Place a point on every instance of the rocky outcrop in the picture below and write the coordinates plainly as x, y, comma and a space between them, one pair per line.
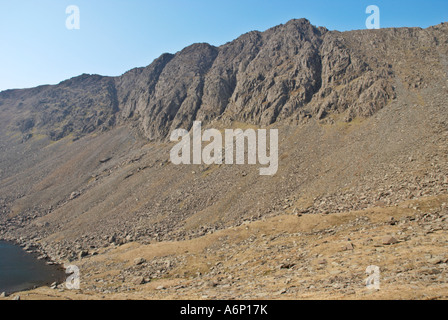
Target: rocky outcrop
77, 106
260, 78
292, 71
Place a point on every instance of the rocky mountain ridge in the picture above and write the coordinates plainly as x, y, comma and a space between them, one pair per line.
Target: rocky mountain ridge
292, 70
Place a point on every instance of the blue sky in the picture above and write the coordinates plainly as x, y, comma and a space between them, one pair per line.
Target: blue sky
117, 35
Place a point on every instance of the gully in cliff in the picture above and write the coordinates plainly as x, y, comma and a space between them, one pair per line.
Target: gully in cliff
213, 152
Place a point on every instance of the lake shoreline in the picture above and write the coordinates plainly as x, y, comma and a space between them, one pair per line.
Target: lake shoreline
43, 267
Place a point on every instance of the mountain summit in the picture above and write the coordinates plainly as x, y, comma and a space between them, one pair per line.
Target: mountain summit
292, 70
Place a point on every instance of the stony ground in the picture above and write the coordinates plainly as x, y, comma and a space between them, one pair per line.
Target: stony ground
282, 257
352, 155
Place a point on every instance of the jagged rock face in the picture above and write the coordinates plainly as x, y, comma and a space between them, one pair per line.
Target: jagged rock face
255, 79
177, 95
281, 75
259, 78
79, 106
290, 71
349, 83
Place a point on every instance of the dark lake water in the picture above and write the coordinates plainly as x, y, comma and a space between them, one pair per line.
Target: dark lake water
20, 270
